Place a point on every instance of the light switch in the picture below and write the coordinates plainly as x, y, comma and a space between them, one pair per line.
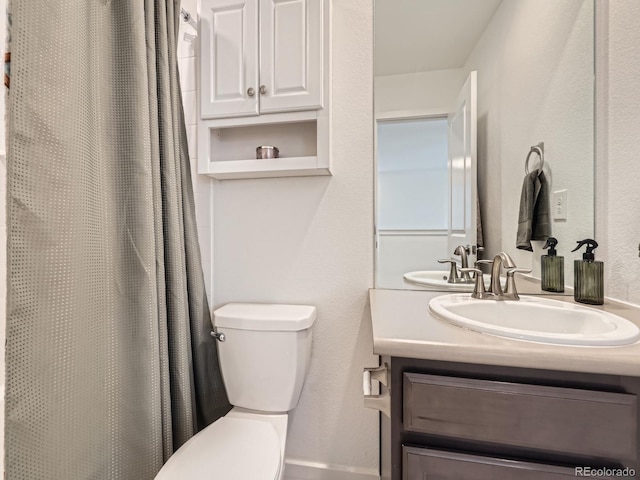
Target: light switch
559, 205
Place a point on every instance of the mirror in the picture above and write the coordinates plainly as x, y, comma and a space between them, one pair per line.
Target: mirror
451, 159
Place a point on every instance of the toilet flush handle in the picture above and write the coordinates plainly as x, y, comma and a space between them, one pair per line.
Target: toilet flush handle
218, 336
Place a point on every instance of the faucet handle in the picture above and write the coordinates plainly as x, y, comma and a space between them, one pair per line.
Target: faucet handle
512, 271
479, 290
510, 289
453, 271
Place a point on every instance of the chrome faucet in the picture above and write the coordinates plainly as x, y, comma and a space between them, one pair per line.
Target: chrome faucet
500, 260
495, 291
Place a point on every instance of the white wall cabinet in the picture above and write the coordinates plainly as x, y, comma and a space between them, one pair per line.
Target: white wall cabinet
229, 55
261, 56
264, 80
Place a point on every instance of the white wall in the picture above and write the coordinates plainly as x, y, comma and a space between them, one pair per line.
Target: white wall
618, 221
424, 92
530, 92
398, 254
310, 241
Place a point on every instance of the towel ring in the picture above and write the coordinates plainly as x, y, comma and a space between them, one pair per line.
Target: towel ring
539, 149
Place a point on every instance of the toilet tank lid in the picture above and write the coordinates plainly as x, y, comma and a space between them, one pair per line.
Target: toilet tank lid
265, 317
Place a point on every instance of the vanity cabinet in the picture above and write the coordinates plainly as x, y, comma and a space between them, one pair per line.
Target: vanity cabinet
264, 80
461, 421
260, 56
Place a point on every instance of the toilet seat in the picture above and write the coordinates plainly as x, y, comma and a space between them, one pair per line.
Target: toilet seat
231, 449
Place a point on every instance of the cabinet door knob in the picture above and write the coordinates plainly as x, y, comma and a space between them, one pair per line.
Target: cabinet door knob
263, 89
251, 91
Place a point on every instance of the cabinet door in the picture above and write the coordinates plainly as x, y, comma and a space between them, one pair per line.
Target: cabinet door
556, 419
229, 52
291, 54
426, 464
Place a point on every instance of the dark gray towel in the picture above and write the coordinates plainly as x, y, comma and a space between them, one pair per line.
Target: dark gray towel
534, 221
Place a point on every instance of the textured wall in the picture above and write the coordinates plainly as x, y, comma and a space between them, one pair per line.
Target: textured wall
618, 225
310, 241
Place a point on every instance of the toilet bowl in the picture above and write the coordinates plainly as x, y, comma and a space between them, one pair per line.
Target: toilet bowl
264, 360
232, 448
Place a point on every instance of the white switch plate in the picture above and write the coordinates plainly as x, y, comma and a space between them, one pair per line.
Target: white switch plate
559, 205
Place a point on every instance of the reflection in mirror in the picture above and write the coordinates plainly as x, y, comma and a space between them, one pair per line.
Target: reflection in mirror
412, 196
534, 61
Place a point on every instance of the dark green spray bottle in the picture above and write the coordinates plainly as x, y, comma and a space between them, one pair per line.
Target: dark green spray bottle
552, 268
588, 275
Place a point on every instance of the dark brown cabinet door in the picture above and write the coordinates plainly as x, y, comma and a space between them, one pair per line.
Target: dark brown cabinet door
427, 464
562, 420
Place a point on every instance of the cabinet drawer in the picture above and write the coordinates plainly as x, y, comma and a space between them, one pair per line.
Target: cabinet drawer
426, 464
562, 420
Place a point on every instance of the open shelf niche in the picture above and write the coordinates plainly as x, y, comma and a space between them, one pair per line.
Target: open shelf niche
227, 147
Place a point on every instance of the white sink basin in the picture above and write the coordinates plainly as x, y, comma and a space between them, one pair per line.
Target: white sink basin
437, 280
537, 320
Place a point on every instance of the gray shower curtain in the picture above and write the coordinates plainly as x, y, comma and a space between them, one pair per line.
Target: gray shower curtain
110, 366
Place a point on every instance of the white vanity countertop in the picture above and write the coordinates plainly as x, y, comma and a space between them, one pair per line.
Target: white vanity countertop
404, 327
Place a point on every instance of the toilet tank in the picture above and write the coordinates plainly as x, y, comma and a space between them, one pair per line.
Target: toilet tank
265, 356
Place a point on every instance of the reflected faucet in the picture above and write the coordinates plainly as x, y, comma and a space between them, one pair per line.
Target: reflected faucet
453, 270
464, 261
462, 251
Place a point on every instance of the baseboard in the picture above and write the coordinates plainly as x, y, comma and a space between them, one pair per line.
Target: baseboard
304, 470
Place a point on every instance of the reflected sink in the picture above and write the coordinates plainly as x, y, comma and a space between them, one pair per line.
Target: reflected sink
536, 319
437, 279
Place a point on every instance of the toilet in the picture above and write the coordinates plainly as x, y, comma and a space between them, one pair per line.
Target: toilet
264, 359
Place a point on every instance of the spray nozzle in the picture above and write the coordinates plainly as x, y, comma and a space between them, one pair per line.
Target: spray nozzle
551, 245
591, 246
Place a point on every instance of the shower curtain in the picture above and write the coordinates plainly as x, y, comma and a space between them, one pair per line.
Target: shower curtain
110, 365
